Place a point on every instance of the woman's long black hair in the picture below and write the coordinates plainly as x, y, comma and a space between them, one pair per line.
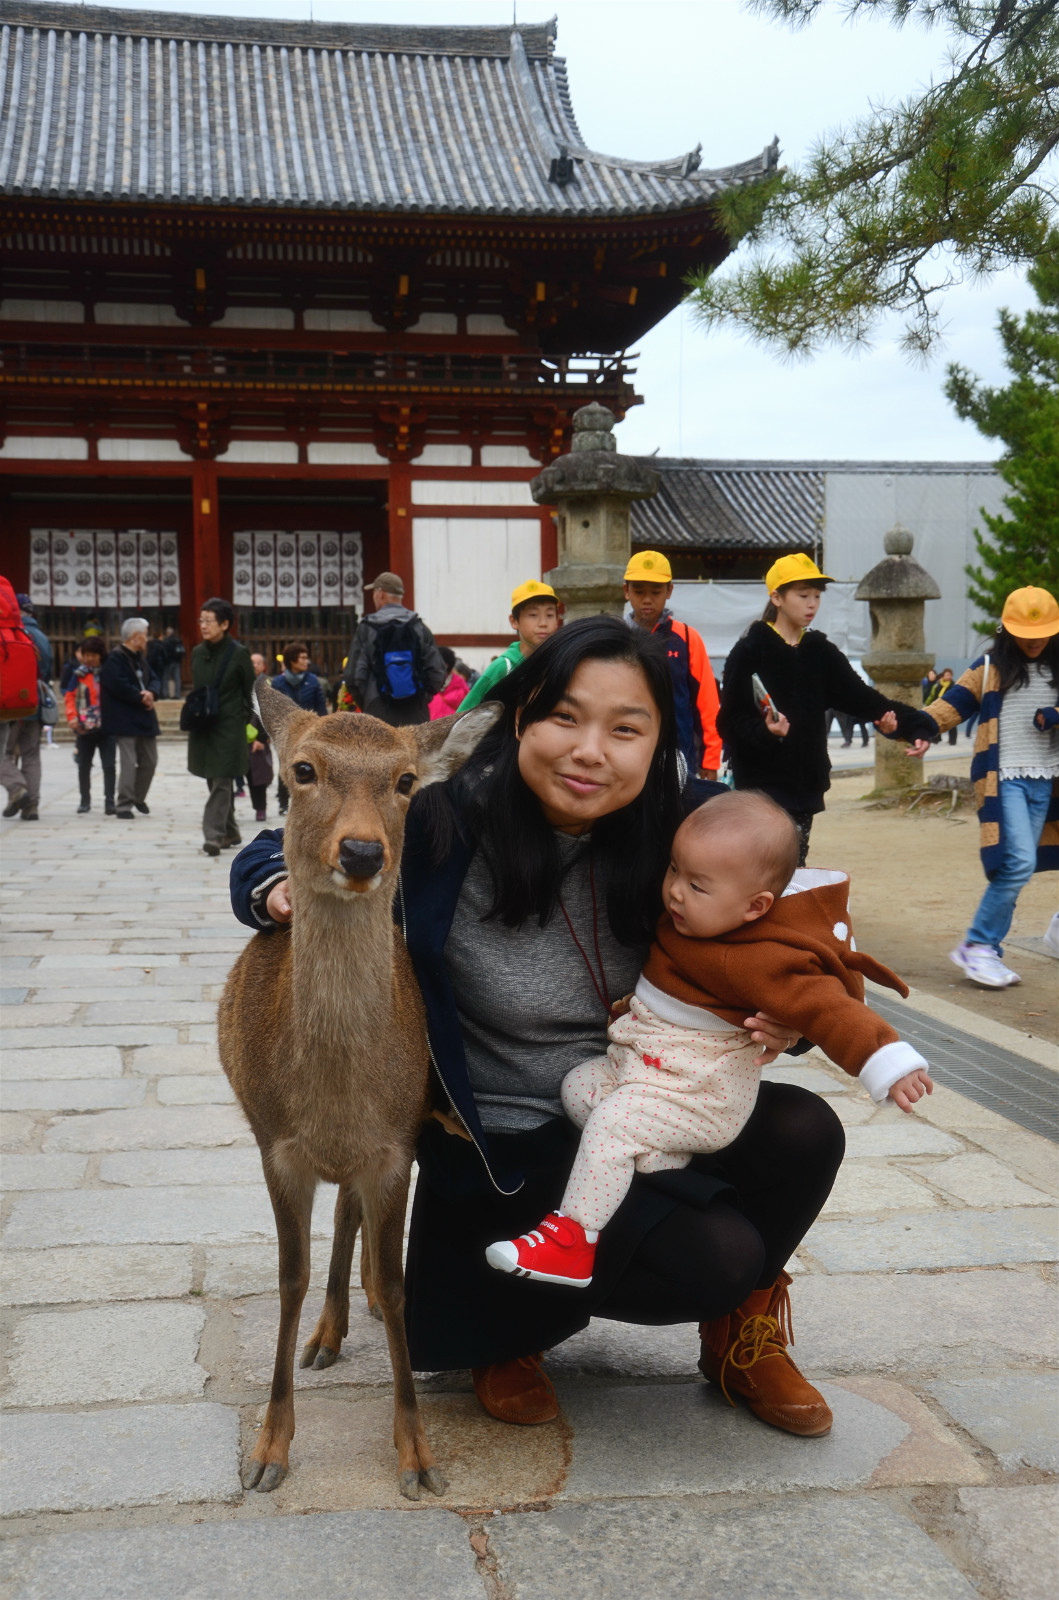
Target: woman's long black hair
630, 847
1013, 667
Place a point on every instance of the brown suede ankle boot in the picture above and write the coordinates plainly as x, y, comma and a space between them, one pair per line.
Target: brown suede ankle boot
516, 1391
746, 1353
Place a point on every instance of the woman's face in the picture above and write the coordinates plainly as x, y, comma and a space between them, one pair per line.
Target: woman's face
592, 754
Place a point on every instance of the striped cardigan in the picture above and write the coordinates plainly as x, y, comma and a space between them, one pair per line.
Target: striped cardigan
978, 691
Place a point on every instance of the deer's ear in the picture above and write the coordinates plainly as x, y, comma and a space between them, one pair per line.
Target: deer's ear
443, 746
280, 715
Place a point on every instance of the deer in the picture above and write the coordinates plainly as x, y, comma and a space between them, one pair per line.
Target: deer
322, 1034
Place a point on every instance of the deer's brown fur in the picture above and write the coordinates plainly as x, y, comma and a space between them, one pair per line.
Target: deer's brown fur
323, 1037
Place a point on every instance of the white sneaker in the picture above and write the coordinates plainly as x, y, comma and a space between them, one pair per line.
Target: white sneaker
1051, 934
982, 965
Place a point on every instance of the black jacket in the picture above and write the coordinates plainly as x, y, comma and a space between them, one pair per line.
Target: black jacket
805, 681
122, 680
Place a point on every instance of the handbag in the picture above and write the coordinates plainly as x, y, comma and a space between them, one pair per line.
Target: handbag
202, 707
261, 773
47, 705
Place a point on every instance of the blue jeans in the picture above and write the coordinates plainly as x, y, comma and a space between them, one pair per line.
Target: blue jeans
1023, 807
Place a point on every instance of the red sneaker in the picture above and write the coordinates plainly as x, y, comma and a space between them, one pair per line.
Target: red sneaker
559, 1251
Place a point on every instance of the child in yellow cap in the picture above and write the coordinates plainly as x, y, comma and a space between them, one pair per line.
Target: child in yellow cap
534, 617
1012, 688
780, 682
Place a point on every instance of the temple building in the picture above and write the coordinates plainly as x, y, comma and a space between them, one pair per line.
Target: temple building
282, 304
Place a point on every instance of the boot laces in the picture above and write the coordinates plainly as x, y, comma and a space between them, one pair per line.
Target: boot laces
760, 1337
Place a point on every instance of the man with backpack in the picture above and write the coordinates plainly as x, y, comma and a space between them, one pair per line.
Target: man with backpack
394, 668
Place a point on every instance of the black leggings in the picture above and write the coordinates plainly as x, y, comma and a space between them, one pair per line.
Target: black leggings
696, 1265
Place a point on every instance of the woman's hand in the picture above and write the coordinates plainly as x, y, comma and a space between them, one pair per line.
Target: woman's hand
918, 749
912, 1087
257, 745
887, 723
278, 903
774, 1036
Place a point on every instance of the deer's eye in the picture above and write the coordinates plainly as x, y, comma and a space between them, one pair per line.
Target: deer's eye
304, 772
406, 782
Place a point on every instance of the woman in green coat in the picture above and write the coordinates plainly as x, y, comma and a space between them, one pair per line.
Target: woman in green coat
220, 753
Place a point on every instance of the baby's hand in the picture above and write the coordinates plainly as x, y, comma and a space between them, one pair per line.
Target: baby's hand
620, 1007
907, 1090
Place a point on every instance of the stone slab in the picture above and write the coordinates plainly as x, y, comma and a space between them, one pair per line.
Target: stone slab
1012, 1413
1017, 1532
851, 1110
76, 1037
1027, 1154
233, 1271
155, 1060
207, 1089
154, 1168
393, 1556
126, 1456
863, 1188
363, 1360
18, 1018
89, 1061
162, 1009
885, 1137
66, 1094
829, 1548
343, 1458
42, 1172
813, 1078
931, 1452
151, 1128
104, 963
128, 1352
12, 997
943, 1239
625, 1350
981, 1180
121, 994
689, 1440
15, 1131
96, 1272
919, 1324
173, 1215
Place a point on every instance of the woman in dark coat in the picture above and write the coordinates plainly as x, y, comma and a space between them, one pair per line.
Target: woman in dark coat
530, 886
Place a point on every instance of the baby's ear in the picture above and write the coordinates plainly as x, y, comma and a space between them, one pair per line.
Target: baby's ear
759, 903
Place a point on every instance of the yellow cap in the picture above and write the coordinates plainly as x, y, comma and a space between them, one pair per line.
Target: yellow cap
649, 566
794, 569
532, 589
1030, 614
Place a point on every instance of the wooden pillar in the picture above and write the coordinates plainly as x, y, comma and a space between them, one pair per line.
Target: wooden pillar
402, 560
206, 534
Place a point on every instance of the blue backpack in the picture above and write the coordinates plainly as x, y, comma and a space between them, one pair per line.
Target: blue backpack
398, 667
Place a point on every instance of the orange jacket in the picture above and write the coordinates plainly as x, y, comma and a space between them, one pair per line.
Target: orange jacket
694, 694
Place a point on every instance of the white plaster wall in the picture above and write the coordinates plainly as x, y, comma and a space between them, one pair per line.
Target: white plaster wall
508, 455
481, 323
466, 568
283, 452
435, 322
344, 453
941, 510
256, 317
42, 311
473, 492
141, 450
444, 455
110, 313
27, 448
341, 322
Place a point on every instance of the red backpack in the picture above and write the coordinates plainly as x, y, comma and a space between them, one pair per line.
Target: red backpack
18, 661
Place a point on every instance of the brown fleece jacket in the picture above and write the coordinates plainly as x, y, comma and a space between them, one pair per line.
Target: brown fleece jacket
799, 961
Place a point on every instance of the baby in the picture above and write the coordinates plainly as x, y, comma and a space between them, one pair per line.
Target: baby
741, 928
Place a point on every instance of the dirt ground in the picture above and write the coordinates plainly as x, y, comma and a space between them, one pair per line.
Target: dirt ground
916, 881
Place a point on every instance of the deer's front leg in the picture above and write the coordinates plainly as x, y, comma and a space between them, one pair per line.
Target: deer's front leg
322, 1349
384, 1224
292, 1204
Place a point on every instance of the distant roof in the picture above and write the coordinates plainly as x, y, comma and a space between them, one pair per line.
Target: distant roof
100, 104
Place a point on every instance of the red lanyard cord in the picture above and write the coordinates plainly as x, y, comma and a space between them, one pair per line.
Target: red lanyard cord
600, 984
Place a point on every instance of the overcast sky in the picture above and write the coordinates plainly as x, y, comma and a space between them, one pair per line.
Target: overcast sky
653, 78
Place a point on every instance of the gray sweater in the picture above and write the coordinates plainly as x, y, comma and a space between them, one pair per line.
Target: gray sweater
526, 1003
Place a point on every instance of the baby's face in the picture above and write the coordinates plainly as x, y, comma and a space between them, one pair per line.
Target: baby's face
707, 893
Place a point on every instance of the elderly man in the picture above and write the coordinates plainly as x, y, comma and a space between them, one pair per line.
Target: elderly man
394, 668
128, 690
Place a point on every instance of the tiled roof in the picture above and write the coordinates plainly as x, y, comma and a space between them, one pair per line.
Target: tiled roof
716, 505
97, 104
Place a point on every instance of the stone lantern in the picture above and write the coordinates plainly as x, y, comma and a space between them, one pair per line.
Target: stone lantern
592, 489
895, 591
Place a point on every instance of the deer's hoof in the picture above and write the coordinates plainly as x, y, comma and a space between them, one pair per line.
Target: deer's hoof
326, 1357
409, 1484
434, 1479
272, 1477
375, 1310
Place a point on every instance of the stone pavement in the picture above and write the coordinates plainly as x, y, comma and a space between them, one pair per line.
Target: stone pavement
139, 1316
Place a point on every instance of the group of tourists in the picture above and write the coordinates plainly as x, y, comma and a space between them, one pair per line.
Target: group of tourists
607, 962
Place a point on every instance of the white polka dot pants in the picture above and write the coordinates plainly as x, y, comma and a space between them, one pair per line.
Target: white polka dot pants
660, 1095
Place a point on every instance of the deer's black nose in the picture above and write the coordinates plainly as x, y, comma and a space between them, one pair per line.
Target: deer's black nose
361, 858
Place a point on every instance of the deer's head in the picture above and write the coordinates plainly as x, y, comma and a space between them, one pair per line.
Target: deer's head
351, 779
